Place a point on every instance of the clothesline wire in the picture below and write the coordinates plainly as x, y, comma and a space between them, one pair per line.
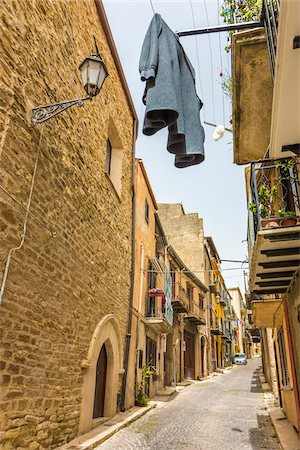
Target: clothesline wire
152, 6
211, 63
195, 271
221, 61
198, 62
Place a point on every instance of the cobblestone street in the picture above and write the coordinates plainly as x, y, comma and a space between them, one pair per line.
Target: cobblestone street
224, 412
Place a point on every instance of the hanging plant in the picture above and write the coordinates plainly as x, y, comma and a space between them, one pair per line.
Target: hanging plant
236, 11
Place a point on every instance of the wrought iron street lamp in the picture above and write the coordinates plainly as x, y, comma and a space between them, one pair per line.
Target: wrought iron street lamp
93, 73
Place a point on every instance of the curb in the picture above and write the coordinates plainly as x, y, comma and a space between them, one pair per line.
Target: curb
286, 434
93, 438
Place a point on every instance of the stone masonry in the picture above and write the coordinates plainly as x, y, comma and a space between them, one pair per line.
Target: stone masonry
74, 266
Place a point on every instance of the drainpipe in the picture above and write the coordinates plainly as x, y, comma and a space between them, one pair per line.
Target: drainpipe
129, 323
139, 321
293, 370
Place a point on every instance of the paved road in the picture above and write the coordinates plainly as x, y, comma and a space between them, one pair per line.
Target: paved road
223, 413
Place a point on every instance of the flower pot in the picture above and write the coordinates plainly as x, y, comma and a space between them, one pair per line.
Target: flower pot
270, 223
288, 222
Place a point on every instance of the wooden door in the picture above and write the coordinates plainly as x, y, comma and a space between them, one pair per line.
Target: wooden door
100, 384
189, 356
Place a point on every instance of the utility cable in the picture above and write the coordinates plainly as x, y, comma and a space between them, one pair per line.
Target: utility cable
198, 62
55, 235
211, 62
152, 7
221, 61
14, 249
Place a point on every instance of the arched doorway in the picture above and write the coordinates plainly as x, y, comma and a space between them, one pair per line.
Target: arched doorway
103, 368
101, 371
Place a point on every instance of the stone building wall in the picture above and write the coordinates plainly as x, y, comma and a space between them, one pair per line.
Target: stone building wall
74, 266
185, 232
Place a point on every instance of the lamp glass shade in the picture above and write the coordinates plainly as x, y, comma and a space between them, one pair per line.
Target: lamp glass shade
93, 74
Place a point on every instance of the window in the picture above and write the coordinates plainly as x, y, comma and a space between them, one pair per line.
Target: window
146, 211
201, 301
173, 276
151, 301
140, 359
189, 291
150, 352
108, 157
285, 379
114, 158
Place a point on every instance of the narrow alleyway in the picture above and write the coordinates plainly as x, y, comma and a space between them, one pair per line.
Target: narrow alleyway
225, 412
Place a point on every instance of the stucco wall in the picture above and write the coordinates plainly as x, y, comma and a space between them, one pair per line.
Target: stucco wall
74, 266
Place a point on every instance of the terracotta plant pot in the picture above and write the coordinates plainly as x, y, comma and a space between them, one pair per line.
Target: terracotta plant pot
269, 224
288, 222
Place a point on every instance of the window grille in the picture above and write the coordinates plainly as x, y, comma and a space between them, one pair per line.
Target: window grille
150, 352
283, 359
146, 211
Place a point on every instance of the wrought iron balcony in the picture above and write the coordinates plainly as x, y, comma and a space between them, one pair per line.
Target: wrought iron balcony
216, 328
180, 302
274, 225
269, 18
196, 315
275, 193
155, 315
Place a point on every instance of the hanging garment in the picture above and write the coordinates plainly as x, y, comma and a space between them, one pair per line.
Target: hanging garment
170, 94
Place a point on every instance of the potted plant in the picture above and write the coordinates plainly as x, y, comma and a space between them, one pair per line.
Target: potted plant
289, 218
266, 199
142, 399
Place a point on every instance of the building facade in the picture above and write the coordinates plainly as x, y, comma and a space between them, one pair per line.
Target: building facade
221, 326
238, 305
66, 227
186, 235
267, 60
152, 316
187, 350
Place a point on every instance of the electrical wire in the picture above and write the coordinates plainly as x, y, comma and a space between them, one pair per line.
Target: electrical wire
211, 63
194, 271
198, 62
55, 235
221, 61
14, 249
152, 7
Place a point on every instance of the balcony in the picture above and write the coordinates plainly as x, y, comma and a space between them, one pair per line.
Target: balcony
216, 328
155, 316
274, 230
281, 23
195, 316
227, 336
180, 302
252, 95
263, 309
266, 91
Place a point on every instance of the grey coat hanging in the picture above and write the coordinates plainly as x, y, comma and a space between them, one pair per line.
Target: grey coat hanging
170, 95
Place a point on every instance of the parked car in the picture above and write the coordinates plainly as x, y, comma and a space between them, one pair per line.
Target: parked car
240, 358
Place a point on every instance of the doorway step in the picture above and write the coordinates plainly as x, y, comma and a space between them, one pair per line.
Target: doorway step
97, 436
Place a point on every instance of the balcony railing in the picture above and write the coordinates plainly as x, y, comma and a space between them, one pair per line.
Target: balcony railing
156, 314
269, 18
154, 307
275, 193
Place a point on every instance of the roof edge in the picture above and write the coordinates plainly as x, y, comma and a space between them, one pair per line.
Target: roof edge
111, 43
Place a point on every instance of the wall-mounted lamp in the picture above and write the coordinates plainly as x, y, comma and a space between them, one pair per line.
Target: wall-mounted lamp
93, 74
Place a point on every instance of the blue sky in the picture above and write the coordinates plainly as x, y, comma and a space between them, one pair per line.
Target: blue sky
215, 189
